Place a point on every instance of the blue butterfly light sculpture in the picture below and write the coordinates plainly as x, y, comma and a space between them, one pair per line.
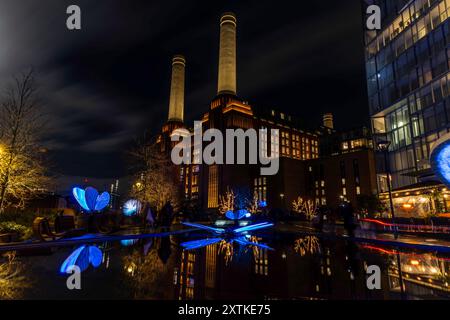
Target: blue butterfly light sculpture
82, 258
90, 200
237, 233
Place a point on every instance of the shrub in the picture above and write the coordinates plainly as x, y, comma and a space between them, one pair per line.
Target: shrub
12, 227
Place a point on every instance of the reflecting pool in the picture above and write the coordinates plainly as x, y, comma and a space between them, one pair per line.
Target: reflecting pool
268, 266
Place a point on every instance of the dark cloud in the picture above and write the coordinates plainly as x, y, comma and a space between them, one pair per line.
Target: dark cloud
106, 84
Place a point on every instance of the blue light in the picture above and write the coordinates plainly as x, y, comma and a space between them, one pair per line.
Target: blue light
80, 196
254, 227
197, 244
440, 159
443, 164
245, 242
90, 200
128, 243
131, 208
238, 215
263, 204
82, 258
200, 226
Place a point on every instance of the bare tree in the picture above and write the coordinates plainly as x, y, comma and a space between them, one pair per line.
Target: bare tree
227, 202
306, 207
154, 176
22, 174
253, 205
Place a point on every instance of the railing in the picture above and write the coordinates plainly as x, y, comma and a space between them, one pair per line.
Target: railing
413, 228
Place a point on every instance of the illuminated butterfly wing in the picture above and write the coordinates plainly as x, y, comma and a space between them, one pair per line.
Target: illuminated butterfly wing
80, 196
200, 226
72, 260
91, 197
197, 244
245, 242
102, 201
95, 256
254, 227
82, 258
237, 215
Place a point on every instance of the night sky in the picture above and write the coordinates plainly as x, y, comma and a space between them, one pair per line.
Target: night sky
107, 84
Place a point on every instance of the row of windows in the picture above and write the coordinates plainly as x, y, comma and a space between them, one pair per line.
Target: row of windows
261, 188
299, 147
421, 114
407, 29
414, 69
317, 174
213, 187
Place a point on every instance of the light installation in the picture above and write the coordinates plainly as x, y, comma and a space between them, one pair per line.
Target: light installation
82, 258
129, 242
131, 208
237, 233
90, 200
440, 159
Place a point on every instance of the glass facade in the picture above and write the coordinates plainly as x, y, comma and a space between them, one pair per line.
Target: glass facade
408, 80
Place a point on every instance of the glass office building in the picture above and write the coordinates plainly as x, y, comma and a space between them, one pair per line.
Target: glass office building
407, 68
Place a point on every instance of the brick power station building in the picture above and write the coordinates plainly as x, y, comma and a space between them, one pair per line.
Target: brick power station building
322, 165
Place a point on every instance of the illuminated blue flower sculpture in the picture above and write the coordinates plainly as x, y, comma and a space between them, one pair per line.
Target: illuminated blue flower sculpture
237, 233
131, 208
440, 159
242, 240
238, 215
90, 200
82, 258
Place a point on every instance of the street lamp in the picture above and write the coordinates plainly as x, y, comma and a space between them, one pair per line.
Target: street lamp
282, 200
383, 146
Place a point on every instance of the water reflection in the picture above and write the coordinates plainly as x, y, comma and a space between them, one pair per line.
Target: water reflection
13, 282
147, 272
423, 275
307, 245
82, 258
271, 266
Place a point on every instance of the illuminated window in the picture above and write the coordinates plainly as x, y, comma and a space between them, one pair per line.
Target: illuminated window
275, 145
262, 262
296, 147
213, 187
261, 188
285, 144
211, 264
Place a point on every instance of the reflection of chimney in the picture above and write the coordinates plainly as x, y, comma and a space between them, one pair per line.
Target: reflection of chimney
176, 104
227, 54
328, 121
